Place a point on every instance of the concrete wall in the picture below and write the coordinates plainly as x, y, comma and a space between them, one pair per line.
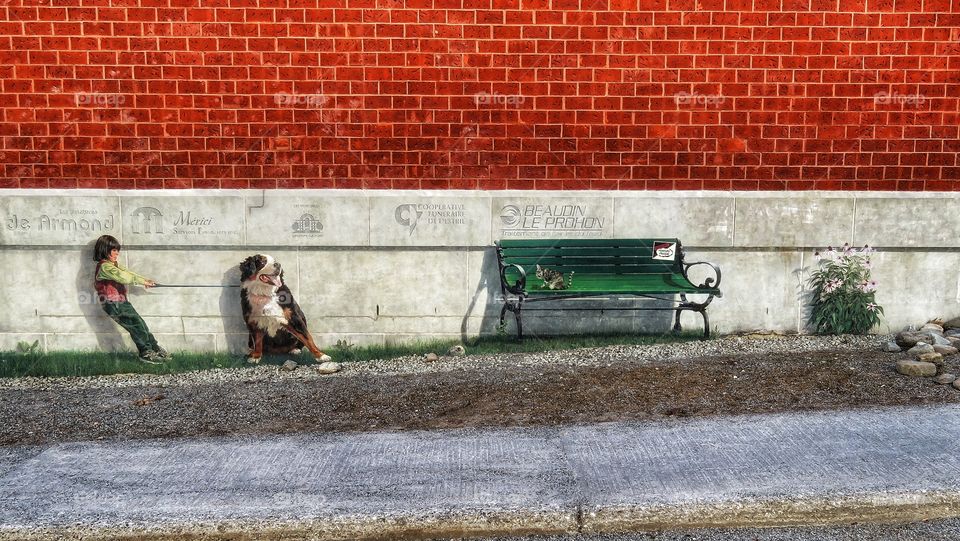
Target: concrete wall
375, 267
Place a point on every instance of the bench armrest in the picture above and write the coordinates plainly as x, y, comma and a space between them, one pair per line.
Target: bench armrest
520, 286
709, 282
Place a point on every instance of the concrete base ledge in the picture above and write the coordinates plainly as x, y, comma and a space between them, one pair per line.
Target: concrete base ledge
486, 523
786, 512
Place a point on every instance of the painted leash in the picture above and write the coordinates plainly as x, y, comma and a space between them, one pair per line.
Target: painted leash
196, 285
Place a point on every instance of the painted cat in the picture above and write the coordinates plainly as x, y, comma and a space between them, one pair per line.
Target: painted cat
553, 279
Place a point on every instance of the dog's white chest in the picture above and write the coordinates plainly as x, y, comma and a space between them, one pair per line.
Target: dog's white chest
266, 312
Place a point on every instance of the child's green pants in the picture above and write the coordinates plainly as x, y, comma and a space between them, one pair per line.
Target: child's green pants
126, 315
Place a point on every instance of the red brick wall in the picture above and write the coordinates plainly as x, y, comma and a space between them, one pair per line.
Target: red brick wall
485, 94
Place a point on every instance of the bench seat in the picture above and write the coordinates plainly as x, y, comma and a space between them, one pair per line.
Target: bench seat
626, 284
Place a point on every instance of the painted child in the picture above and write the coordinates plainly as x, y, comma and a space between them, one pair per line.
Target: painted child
111, 284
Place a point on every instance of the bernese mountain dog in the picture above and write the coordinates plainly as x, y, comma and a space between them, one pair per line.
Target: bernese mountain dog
274, 319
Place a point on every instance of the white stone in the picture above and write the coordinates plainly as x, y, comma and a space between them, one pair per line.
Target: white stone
374, 284
932, 328
939, 340
934, 358
914, 284
55, 219
756, 303
916, 368
183, 218
552, 216
328, 368
793, 220
308, 218
906, 221
445, 218
696, 221
952, 324
920, 349
945, 350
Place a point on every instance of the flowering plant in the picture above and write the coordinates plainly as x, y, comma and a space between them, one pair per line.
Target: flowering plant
843, 293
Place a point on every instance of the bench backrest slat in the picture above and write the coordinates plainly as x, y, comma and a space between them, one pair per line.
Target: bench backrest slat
633, 251
563, 243
591, 256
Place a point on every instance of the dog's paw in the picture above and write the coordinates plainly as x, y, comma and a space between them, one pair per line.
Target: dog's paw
295, 351
325, 358
253, 360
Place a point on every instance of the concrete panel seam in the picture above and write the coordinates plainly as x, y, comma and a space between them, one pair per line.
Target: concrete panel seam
800, 300
733, 238
853, 224
120, 216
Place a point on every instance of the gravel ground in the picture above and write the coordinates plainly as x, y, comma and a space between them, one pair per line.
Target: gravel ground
592, 357
728, 376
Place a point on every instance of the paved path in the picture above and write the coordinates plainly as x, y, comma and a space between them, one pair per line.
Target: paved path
900, 464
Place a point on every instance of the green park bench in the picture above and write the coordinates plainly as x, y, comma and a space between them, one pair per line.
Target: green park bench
602, 268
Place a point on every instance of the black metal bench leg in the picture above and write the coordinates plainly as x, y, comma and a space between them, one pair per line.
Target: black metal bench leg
519, 324
706, 324
676, 324
513, 306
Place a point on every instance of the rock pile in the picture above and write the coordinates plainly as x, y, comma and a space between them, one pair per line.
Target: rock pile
927, 348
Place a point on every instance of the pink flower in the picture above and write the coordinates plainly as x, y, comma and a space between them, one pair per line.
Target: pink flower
832, 285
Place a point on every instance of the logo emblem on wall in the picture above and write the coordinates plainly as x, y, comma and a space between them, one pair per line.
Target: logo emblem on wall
544, 220
307, 224
510, 215
435, 215
408, 216
145, 219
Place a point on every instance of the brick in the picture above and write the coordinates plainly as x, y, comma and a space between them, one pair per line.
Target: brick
598, 86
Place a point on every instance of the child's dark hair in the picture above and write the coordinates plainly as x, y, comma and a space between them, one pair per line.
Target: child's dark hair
104, 246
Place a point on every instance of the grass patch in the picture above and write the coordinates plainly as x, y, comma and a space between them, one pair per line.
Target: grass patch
83, 363
31, 363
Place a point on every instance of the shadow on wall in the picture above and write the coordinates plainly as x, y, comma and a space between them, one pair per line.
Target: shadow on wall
489, 290
804, 298
109, 335
234, 330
